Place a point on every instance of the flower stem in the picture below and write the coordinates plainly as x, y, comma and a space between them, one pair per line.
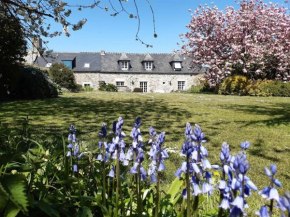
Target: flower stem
157, 196
104, 178
118, 184
187, 187
220, 214
139, 208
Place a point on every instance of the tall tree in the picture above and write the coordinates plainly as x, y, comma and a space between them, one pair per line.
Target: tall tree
12, 51
253, 40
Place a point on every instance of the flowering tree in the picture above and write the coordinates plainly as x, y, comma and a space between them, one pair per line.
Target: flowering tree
253, 40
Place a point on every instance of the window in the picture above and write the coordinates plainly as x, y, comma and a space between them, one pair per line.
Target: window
177, 66
87, 84
143, 86
87, 65
48, 65
67, 63
124, 65
120, 83
181, 85
148, 65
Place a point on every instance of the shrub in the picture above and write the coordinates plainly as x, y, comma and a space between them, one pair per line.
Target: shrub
108, 87
234, 85
138, 90
274, 88
203, 87
64, 77
34, 84
87, 88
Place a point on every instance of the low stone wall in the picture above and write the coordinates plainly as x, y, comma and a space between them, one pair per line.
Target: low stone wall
157, 83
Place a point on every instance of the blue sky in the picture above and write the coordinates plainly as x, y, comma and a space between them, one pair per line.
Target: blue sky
117, 34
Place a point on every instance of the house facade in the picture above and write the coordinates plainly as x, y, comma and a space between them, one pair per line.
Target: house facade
154, 72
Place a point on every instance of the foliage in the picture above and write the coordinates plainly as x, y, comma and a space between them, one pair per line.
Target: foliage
234, 85
274, 88
63, 76
203, 87
108, 87
138, 90
66, 178
33, 84
221, 121
12, 52
87, 88
252, 40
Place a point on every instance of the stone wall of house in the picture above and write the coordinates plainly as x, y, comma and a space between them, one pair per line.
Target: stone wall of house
157, 83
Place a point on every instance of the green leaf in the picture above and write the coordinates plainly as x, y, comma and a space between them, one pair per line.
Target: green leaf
13, 187
11, 210
86, 212
174, 189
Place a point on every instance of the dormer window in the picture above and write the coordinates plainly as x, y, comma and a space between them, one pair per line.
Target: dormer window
86, 65
148, 65
124, 65
177, 66
48, 65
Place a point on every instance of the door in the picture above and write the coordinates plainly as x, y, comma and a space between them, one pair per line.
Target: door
143, 86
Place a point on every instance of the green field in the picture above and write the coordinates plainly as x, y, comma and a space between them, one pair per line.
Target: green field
265, 122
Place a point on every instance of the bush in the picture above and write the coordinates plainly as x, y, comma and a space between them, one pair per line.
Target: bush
203, 87
34, 84
274, 88
138, 90
234, 85
64, 77
87, 88
108, 87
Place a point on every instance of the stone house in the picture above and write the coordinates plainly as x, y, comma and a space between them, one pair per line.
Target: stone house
154, 72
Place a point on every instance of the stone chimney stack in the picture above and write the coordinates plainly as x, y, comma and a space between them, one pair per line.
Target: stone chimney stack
36, 44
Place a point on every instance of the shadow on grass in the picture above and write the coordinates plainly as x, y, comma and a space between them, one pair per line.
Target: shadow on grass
55, 115
279, 113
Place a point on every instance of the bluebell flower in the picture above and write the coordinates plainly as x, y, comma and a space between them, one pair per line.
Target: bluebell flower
263, 212
196, 154
112, 172
284, 202
245, 145
225, 204
75, 169
157, 154
103, 133
117, 147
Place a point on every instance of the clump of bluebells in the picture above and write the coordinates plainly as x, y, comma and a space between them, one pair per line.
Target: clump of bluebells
136, 152
73, 148
195, 167
157, 155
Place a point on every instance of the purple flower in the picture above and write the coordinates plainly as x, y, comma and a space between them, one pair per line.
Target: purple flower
75, 168
112, 172
245, 145
263, 212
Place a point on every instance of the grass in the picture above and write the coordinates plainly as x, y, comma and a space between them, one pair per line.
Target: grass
262, 121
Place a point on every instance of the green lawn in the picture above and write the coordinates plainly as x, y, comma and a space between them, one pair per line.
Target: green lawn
265, 122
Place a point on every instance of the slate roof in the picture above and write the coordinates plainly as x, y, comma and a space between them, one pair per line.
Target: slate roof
148, 57
80, 59
108, 63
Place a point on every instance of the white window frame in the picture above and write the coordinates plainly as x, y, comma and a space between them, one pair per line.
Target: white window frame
124, 65
120, 83
144, 86
87, 65
87, 84
175, 64
48, 65
148, 66
181, 85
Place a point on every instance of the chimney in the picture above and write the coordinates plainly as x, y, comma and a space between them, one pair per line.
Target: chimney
36, 44
103, 52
